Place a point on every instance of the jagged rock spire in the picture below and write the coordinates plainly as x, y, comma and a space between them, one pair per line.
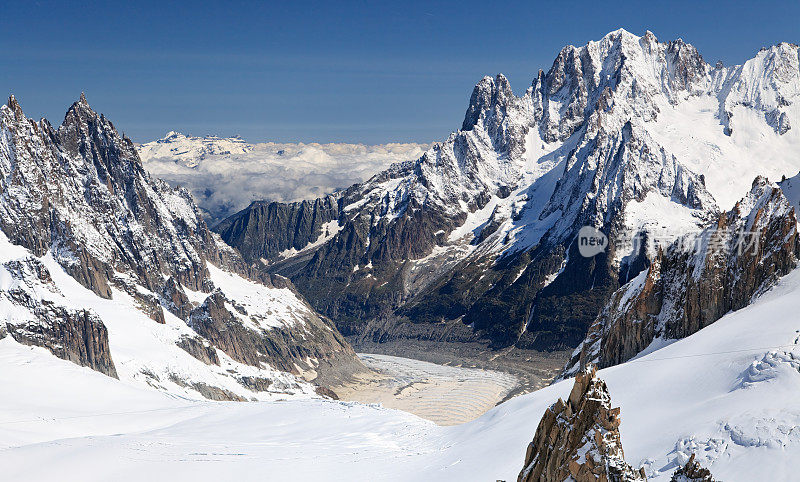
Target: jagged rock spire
487, 93
13, 104
692, 472
579, 439
85, 200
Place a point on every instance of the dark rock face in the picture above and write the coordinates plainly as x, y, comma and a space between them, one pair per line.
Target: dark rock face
579, 439
698, 279
327, 392
216, 393
265, 229
75, 335
72, 334
692, 472
174, 299
200, 349
352, 277
209, 392
285, 350
257, 384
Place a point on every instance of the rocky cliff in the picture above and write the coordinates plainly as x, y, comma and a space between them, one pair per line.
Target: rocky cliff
476, 239
76, 200
578, 439
265, 229
696, 280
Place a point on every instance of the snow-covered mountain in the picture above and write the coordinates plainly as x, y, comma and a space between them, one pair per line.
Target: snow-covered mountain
111, 268
476, 239
224, 175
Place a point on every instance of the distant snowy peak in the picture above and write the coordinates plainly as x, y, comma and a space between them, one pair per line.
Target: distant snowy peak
769, 83
620, 72
191, 150
633, 75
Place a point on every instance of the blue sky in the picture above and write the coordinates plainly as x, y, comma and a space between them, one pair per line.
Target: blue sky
346, 71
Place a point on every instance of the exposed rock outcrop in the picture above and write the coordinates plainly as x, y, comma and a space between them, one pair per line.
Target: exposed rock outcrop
200, 349
75, 335
697, 279
578, 439
174, 299
692, 472
34, 315
308, 353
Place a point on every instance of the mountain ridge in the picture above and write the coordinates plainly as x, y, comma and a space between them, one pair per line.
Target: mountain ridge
102, 261
480, 229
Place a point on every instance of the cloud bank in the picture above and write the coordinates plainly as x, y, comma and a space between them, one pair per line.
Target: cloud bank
226, 174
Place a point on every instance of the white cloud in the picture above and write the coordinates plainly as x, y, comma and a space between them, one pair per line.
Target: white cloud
226, 174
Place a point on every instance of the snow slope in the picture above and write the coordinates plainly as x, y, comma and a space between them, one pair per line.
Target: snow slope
146, 354
726, 393
226, 174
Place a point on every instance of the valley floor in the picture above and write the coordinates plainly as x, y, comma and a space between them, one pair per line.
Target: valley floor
532, 369
727, 394
442, 394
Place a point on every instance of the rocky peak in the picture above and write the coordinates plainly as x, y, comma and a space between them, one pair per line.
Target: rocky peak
585, 145
578, 439
686, 66
622, 70
13, 104
488, 94
769, 83
80, 113
79, 195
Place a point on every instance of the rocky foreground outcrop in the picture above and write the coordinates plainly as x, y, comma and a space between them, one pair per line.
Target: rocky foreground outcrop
578, 439
697, 279
692, 472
